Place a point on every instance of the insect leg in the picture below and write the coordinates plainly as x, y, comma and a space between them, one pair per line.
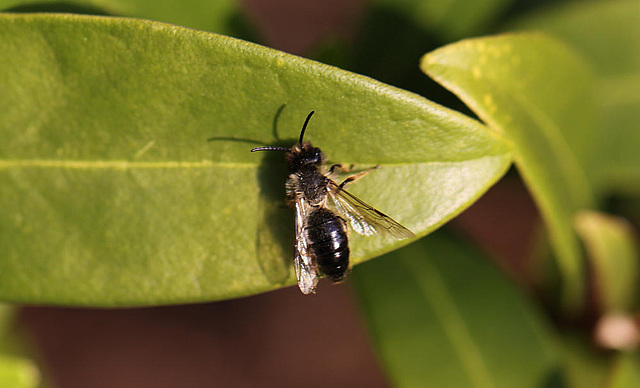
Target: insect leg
341, 167
357, 176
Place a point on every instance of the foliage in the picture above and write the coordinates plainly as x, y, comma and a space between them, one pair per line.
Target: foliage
112, 196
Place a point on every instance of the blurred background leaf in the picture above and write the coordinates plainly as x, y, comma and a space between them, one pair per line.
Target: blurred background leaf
537, 93
448, 20
626, 371
585, 366
613, 255
16, 370
607, 35
440, 313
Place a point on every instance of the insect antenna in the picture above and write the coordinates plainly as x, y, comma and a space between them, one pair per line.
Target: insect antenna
304, 127
285, 149
270, 148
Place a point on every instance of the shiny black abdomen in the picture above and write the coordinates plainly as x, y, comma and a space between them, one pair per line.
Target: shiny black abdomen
328, 242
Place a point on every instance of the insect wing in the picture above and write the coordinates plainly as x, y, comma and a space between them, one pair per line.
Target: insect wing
365, 219
302, 262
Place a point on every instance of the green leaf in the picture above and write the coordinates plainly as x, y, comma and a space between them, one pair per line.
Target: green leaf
607, 33
535, 92
585, 366
16, 372
626, 371
112, 195
442, 316
214, 15
613, 253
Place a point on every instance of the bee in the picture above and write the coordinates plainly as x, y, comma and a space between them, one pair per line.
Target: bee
322, 208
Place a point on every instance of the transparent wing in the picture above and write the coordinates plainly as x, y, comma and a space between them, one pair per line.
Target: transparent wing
365, 219
302, 262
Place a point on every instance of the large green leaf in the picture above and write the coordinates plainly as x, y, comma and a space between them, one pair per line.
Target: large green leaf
112, 195
211, 15
614, 258
442, 316
607, 33
535, 92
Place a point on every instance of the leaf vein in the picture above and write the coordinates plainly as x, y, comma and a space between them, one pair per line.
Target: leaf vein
435, 292
115, 164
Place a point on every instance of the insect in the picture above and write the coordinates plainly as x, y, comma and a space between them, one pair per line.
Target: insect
322, 208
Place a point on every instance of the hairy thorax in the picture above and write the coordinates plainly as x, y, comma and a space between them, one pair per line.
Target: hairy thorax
308, 183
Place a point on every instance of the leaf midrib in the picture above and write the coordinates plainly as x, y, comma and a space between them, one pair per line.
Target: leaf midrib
126, 165
115, 164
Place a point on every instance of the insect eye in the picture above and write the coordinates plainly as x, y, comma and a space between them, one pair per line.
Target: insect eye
317, 155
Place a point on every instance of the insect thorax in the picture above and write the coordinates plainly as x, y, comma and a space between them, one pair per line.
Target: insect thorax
309, 184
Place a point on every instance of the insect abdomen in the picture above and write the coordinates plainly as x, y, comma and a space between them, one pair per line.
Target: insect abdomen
328, 242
